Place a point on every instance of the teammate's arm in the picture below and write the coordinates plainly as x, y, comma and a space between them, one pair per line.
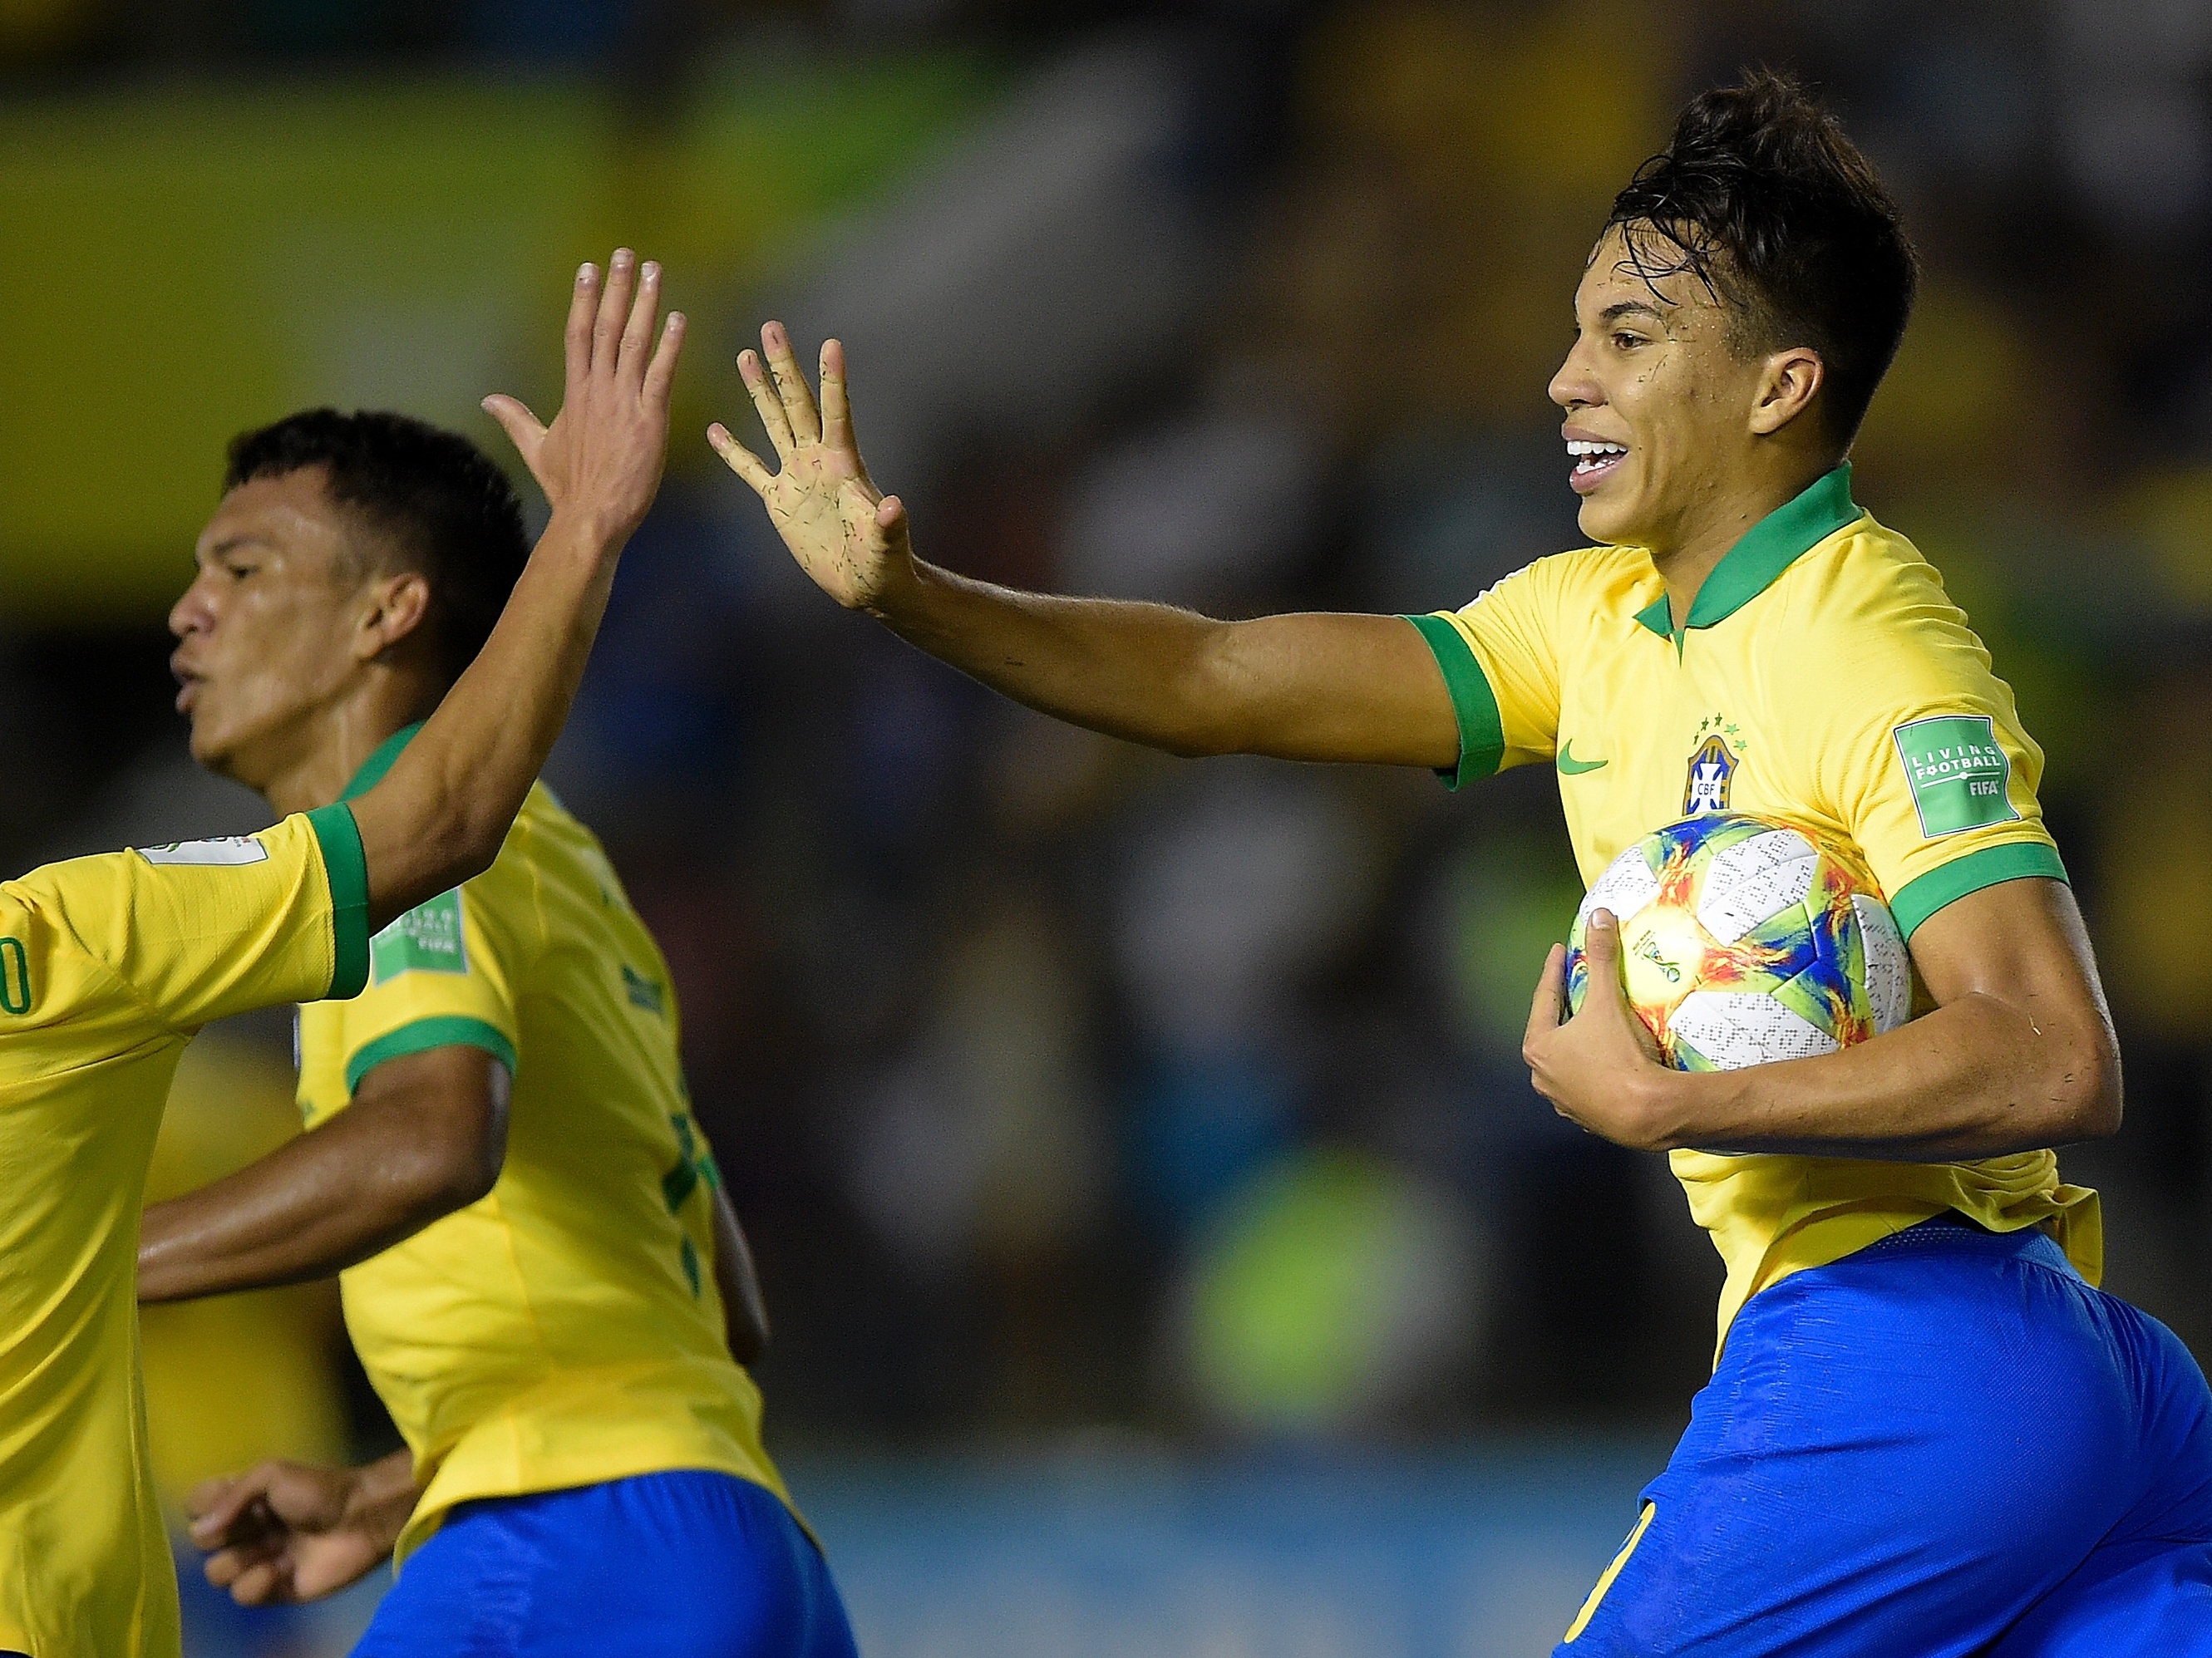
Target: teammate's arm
745, 1312
1310, 687
425, 1134
2018, 1052
439, 815
286, 1532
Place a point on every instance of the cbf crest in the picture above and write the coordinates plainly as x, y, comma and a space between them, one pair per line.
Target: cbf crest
1713, 767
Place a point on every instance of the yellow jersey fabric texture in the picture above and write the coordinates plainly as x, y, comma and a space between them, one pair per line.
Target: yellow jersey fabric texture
1822, 677
566, 1328
108, 965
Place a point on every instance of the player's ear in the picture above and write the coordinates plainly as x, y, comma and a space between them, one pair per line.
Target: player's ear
1787, 386
397, 605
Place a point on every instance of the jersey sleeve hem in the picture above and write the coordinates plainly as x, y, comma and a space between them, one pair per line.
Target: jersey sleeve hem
347, 866
1921, 898
445, 1031
1481, 731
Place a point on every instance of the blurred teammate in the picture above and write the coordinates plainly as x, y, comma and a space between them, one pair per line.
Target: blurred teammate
1927, 1432
540, 1269
109, 964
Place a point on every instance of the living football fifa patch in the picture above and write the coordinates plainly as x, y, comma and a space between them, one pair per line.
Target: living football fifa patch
226, 851
425, 939
1958, 773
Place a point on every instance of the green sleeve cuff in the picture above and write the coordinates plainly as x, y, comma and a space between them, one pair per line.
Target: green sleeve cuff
347, 869
1482, 733
446, 1030
1923, 897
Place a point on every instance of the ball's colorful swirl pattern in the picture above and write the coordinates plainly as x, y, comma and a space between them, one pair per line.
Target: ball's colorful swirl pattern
1810, 954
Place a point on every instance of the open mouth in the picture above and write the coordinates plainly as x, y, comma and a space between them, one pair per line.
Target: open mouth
1594, 462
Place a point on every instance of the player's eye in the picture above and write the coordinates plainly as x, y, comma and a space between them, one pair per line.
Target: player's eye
1624, 340
240, 572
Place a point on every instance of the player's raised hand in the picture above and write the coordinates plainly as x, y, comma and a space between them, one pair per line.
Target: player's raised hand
601, 458
1601, 1068
284, 1532
846, 534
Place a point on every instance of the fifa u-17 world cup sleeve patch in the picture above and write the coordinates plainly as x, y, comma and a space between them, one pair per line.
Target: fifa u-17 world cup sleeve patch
1959, 774
429, 938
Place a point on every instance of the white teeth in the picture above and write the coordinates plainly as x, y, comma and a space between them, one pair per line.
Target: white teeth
1577, 446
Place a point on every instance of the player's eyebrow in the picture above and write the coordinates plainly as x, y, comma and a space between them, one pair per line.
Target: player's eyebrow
1620, 308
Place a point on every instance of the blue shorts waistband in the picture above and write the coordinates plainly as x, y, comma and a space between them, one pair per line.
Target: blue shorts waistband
1953, 1233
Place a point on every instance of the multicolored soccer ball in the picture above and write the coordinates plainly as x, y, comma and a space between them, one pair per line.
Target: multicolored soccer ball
1744, 941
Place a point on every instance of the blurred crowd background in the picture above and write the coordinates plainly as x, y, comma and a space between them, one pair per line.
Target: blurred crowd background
1080, 1101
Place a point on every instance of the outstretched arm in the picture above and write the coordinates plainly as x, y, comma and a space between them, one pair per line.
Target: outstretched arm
425, 1134
2018, 1054
1309, 687
439, 815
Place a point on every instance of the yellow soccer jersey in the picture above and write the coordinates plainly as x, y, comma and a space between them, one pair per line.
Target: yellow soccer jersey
107, 966
565, 1328
1825, 678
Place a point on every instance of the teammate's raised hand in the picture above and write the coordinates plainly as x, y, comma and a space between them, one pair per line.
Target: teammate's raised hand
846, 534
285, 1532
601, 458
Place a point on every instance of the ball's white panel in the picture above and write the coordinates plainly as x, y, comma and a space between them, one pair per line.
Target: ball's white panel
1755, 879
1626, 887
1889, 968
1737, 1028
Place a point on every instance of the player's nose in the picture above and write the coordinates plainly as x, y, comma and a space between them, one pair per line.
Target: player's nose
190, 614
1574, 387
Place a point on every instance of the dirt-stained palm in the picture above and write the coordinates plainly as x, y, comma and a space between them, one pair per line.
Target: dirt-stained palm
846, 533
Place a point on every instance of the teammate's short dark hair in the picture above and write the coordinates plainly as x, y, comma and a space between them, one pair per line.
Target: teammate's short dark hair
1761, 195
435, 499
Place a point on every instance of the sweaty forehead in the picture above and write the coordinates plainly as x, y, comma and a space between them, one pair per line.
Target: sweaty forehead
291, 514
1680, 302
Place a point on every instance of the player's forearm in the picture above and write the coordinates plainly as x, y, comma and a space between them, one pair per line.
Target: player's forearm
313, 1207
1298, 686
438, 817
1132, 670
384, 1497
1978, 1077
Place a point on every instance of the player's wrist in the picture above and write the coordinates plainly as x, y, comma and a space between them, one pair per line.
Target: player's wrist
900, 596
593, 531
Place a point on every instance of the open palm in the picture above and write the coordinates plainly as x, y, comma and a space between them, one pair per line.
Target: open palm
846, 534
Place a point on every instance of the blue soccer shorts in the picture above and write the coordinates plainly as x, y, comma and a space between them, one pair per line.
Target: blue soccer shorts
685, 1565
1944, 1445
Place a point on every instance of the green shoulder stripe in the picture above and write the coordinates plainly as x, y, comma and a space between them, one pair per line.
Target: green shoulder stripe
445, 1031
1923, 897
1482, 733
347, 869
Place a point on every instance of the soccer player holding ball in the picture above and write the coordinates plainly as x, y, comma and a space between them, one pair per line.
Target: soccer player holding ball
108, 966
1927, 1430
542, 1274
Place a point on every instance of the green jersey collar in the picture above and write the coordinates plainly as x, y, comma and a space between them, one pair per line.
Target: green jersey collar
1767, 549
372, 769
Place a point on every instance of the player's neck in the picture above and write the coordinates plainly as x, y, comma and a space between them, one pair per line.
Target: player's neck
331, 743
1702, 534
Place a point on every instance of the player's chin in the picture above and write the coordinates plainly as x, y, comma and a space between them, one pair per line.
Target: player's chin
1608, 516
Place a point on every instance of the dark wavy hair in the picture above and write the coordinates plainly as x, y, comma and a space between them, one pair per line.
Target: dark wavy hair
433, 499
1762, 198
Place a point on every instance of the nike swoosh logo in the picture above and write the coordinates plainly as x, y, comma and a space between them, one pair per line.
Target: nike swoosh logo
1572, 767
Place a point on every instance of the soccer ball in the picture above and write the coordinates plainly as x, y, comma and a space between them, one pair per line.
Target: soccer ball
1744, 941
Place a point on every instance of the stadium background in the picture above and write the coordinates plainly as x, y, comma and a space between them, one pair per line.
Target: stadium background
1166, 1251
